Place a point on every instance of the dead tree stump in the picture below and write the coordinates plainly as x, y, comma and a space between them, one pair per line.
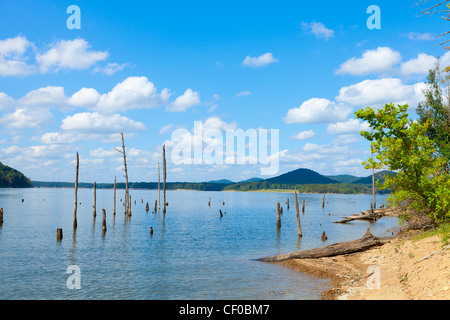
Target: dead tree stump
104, 221
114, 209
95, 200
59, 234
278, 216
299, 227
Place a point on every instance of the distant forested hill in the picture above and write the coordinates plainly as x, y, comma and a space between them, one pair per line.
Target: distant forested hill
12, 178
301, 176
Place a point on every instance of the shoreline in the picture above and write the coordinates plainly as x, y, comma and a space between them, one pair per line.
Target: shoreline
402, 268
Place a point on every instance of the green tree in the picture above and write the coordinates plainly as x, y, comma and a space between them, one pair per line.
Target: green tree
435, 110
402, 145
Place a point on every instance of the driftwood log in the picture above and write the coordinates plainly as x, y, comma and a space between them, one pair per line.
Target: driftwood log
367, 241
372, 215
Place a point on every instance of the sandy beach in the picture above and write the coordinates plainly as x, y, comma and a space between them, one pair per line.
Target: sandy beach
401, 269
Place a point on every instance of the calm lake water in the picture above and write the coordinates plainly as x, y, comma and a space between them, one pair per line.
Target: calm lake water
192, 254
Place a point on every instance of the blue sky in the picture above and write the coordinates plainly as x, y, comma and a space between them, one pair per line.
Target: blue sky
149, 68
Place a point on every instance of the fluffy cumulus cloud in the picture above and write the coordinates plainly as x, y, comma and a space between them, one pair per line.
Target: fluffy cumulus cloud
49, 96
92, 126
13, 61
419, 65
95, 122
318, 29
26, 117
69, 54
260, 61
187, 100
318, 110
20, 57
348, 126
378, 92
380, 60
132, 93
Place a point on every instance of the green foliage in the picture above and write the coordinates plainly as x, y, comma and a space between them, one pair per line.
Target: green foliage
435, 111
399, 144
11, 178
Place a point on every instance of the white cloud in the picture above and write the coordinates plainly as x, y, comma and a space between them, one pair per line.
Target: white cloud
85, 97
349, 126
110, 68
12, 59
92, 126
47, 97
243, 94
304, 135
189, 99
14, 46
20, 57
69, 54
350, 163
14, 68
26, 117
380, 60
132, 93
444, 61
420, 36
165, 128
318, 29
258, 62
317, 110
377, 93
420, 65
98, 123
5, 101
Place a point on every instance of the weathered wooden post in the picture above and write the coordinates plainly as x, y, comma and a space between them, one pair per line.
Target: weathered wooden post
129, 206
303, 207
147, 207
59, 234
287, 203
221, 214
151, 230
209, 202
323, 201
324, 236
297, 210
114, 209
164, 178
75, 224
278, 216
123, 152
1, 216
95, 200
104, 221
156, 206
159, 189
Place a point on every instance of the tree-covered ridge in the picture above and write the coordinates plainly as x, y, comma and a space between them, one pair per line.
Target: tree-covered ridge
304, 183
11, 178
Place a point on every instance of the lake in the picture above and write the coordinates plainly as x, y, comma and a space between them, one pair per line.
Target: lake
193, 253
